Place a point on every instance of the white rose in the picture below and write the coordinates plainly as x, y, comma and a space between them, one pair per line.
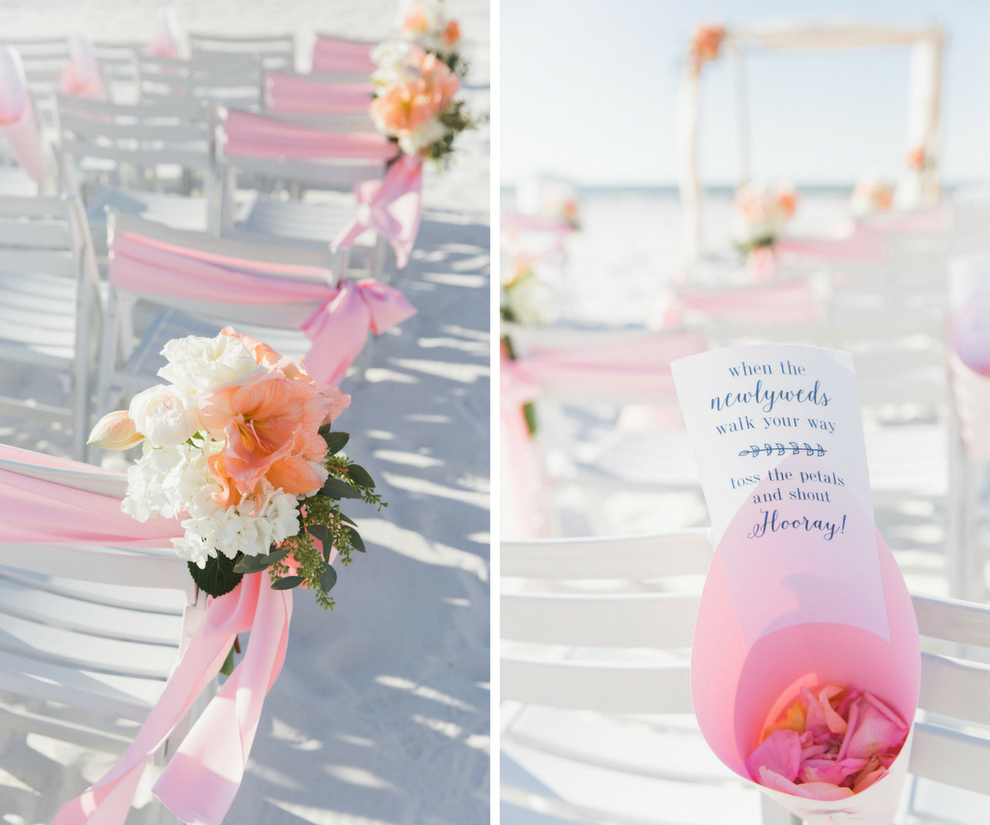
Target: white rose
202, 364
390, 53
165, 415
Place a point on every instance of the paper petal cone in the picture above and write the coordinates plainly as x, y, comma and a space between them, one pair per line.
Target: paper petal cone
734, 686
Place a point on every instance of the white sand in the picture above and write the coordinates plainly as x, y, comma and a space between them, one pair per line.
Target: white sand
381, 713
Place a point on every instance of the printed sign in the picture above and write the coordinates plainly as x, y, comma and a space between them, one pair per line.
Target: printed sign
778, 439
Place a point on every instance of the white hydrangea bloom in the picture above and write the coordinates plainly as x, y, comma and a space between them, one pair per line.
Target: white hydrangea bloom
422, 136
533, 301
202, 364
174, 481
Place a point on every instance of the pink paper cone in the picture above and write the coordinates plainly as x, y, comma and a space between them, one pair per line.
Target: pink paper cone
737, 688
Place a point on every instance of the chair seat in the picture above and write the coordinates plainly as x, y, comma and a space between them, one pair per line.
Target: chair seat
299, 219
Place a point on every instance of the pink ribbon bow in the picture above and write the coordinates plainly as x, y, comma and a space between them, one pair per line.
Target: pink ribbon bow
390, 206
339, 329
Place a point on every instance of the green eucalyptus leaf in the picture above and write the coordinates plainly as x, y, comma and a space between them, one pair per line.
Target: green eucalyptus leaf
360, 476
324, 429
250, 564
356, 541
335, 441
335, 488
287, 582
273, 557
347, 519
328, 578
217, 578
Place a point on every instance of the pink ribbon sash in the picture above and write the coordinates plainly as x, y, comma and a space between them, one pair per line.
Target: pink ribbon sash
335, 54
18, 122
338, 328
300, 94
775, 302
391, 207
639, 367
81, 77
861, 247
258, 136
165, 43
200, 782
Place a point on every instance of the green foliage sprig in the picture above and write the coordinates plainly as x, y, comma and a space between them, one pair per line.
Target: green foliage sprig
323, 526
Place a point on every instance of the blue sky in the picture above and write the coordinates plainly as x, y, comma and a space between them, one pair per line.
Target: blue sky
588, 91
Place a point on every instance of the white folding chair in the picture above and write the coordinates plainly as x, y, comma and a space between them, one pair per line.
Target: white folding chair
596, 718
594, 454
276, 204
49, 279
154, 161
275, 51
129, 362
88, 636
230, 78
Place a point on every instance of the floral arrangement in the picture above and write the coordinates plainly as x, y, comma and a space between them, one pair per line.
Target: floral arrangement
761, 211
706, 44
871, 195
239, 445
527, 298
425, 23
829, 746
920, 160
415, 101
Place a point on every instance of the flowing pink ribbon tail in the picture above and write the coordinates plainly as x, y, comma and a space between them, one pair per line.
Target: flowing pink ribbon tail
201, 780
519, 456
390, 206
339, 329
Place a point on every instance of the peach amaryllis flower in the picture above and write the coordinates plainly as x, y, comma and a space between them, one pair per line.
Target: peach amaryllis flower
404, 107
829, 745
270, 425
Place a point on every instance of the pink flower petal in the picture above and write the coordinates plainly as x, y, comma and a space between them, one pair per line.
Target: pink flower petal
780, 752
869, 779
875, 730
835, 723
809, 790
828, 770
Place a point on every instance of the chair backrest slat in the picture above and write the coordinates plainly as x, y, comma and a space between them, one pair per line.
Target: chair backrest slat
598, 686
682, 553
630, 620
